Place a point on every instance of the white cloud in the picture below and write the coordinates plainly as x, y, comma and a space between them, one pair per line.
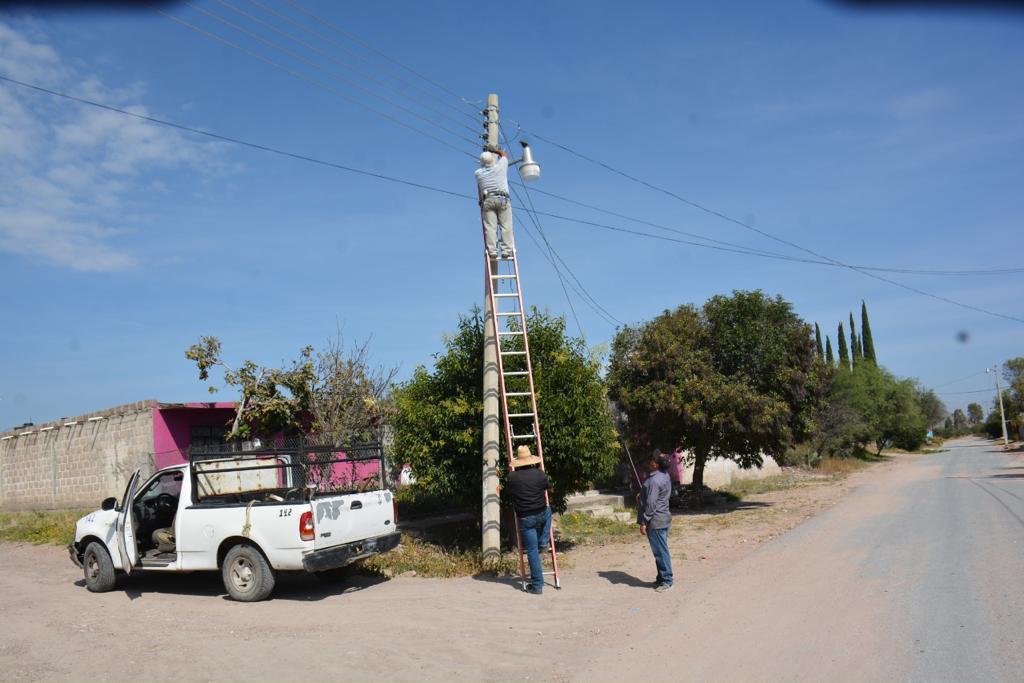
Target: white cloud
69, 172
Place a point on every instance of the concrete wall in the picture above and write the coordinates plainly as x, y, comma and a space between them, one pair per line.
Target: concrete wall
61, 465
719, 472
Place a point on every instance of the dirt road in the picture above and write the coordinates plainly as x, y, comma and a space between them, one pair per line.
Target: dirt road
910, 575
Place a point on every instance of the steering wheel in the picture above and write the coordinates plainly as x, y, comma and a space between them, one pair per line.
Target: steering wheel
165, 503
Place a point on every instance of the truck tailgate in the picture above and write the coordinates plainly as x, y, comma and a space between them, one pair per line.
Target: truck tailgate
339, 519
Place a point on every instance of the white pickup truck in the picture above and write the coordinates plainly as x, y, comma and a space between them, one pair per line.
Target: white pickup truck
249, 515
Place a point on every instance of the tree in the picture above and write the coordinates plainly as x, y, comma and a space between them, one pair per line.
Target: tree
844, 354
886, 409
830, 359
931, 406
333, 394
959, 419
736, 379
439, 413
272, 399
948, 425
975, 413
867, 342
817, 341
856, 353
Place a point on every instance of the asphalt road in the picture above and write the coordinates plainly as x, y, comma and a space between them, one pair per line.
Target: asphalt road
915, 575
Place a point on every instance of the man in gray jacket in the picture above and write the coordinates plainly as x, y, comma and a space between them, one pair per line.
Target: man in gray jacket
655, 519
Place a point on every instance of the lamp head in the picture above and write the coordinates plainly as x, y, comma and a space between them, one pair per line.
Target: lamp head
529, 170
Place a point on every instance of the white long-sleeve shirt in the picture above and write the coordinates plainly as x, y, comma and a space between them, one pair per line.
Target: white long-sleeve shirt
493, 178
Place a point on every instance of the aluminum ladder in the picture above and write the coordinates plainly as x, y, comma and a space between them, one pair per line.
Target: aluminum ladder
516, 389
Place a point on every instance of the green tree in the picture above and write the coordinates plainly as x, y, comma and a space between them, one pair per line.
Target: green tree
931, 405
975, 413
844, 354
867, 342
959, 419
817, 341
856, 353
830, 358
439, 413
272, 399
736, 379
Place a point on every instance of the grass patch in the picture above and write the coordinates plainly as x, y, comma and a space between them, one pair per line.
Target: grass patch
436, 561
839, 467
55, 527
578, 528
749, 487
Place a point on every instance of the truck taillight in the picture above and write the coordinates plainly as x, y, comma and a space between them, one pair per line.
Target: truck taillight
306, 530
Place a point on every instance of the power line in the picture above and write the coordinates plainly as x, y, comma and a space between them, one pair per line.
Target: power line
380, 176
976, 391
307, 79
764, 233
329, 72
355, 69
371, 48
955, 381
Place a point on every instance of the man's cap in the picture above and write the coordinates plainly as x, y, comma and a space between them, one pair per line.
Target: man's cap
487, 158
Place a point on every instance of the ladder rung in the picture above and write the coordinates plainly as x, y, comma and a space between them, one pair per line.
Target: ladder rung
517, 393
509, 313
513, 353
505, 296
512, 332
522, 436
503, 277
520, 415
515, 373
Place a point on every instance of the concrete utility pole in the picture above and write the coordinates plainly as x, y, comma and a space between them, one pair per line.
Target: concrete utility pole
491, 521
1002, 416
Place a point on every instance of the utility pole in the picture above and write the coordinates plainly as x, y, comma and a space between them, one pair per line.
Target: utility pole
491, 521
999, 394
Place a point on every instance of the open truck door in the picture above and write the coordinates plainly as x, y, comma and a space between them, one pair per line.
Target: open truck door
126, 544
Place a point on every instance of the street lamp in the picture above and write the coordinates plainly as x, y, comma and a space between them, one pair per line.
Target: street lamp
529, 170
999, 394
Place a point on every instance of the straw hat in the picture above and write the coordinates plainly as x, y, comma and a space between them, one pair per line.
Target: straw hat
524, 457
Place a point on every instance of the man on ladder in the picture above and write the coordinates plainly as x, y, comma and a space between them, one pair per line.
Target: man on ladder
528, 484
495, 208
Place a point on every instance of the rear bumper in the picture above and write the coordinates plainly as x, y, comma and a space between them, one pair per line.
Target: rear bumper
73, 551
342, 555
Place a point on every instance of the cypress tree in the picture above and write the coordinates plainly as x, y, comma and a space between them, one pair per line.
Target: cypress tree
865, 335
855, 350
844, 354
817, 340
829, 358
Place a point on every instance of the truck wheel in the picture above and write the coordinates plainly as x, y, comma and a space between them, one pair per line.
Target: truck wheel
99, 569
336, 575
247, 576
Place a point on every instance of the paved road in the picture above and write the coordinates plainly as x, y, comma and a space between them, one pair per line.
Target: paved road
916, 575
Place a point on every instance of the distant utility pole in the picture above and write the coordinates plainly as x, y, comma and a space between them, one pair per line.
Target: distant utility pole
491, 520
1002, 416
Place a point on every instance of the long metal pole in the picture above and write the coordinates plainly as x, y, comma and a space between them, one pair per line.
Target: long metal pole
1002, 415
491, 520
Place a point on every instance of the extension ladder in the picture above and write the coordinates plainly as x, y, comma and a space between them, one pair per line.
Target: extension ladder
516, 389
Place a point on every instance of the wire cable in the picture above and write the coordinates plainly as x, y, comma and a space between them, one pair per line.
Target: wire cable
975, 391
302, 77
337, 29
380, 176
955, 381
348, 65
781, 240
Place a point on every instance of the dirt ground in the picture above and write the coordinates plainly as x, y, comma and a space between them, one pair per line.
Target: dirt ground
182, 628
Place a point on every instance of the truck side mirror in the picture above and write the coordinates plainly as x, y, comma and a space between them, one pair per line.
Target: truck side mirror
108, 503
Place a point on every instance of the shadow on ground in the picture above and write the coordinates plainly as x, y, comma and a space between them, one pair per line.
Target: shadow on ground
298, 587
622, 578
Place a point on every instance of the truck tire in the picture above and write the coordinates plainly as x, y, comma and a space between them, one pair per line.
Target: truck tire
247, 576
99, 569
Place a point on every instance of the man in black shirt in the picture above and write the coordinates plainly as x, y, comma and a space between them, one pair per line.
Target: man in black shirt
528, 486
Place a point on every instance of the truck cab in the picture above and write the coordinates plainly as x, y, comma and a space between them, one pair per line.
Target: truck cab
247, 514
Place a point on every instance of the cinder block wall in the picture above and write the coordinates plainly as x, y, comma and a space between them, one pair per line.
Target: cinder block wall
76, 466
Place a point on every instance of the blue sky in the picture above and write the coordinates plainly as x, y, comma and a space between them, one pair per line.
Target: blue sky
879, 138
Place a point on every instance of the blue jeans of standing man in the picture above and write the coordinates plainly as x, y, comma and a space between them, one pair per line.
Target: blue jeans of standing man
658, 538
532, 528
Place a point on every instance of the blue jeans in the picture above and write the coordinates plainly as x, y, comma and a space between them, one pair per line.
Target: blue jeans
533, 529
658, 538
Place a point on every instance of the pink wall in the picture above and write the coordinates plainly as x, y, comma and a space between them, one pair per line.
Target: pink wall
172, 428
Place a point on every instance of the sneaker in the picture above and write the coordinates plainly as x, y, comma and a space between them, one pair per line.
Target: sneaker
533, 591
662, 587
492, 254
